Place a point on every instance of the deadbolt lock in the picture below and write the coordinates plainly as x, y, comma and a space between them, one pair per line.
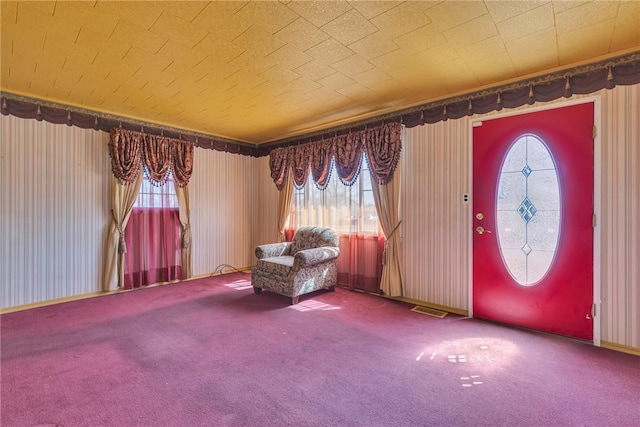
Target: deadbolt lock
479, 215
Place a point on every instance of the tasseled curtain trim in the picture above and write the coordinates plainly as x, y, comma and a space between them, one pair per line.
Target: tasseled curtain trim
381, 144
132, 151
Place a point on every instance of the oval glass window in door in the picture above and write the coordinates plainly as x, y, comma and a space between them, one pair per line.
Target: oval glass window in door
528, 210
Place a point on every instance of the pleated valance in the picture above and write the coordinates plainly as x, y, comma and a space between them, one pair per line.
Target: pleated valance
157, 155
381, 144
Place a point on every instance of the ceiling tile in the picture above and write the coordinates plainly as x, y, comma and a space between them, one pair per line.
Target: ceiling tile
149, 62
562, 5
178, 30
221, 50
258, 41
420, 39
484, 48
535, 52
471, 31
9, 11
127, 32
492, 68
625, 37
353, 65
290, 57
72, 13
503, 10
44, 6
585, 15
450, 14
142, 13
278, 75
186, 10
592, 40
336, 81
371, 78
319, 12
393, 61
373, 46
220, 22
358, 93
629, 13
91, 40
403, 18
329, 51
370, 9
176, 52
271, 16
301, 85
349, 27
315, 70
435, 56
528, 22
247, 61
302, 34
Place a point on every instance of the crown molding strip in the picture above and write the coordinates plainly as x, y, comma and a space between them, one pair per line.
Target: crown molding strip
32, 108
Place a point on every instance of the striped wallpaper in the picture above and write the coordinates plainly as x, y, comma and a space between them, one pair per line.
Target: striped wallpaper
54, 205
435, 229
221, 192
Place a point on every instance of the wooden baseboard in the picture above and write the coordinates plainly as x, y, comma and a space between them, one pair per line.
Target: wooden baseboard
54, 302
103, 293
448, 309
620, 347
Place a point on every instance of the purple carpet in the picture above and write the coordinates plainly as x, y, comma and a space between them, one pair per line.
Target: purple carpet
211, 352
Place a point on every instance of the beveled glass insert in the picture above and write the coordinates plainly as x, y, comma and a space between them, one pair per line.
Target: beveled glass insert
528, 210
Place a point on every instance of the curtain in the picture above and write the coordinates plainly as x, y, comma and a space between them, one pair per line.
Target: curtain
387, 198
154, 252
376, 150
123, 197
351, 212
184, 209
284, 205
159, 157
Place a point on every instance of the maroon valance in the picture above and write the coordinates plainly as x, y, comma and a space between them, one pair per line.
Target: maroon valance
381, 144
132, 151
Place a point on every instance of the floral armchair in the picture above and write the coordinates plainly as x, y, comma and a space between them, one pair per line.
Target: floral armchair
308, 263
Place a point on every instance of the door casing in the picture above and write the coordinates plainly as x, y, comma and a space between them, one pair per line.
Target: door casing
597, 203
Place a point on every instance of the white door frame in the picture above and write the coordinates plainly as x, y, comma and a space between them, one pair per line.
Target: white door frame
597, 194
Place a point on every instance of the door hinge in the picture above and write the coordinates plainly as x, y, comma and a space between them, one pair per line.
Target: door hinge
594, 221
594, 132
592, 315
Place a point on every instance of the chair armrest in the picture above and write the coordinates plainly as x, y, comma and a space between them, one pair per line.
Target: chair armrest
272, 249
314, 256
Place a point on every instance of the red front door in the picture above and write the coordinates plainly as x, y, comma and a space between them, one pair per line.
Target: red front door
532, 220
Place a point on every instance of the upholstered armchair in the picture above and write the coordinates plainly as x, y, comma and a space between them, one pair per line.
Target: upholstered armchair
308, 263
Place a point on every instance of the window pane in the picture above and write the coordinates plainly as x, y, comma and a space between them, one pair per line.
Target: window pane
345, 209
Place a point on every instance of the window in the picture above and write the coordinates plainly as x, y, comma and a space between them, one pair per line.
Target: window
351, 212
345, 209
157, 196
153, 236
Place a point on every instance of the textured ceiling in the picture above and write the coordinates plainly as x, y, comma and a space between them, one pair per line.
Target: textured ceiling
265, 70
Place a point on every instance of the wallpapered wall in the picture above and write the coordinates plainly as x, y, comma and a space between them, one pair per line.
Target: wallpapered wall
54, 205
436, 223
54, 202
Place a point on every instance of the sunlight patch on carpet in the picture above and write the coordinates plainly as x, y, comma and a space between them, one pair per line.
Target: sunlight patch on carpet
429, 311
239, 285
313, 306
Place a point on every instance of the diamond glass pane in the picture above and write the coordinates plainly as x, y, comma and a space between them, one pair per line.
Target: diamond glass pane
528, 210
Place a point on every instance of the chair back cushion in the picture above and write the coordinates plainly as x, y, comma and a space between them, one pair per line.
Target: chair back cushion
313, 237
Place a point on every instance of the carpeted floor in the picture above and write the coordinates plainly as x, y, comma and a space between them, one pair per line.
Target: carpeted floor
210, 352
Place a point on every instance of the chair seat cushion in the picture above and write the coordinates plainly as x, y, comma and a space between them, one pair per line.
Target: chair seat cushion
278, 265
